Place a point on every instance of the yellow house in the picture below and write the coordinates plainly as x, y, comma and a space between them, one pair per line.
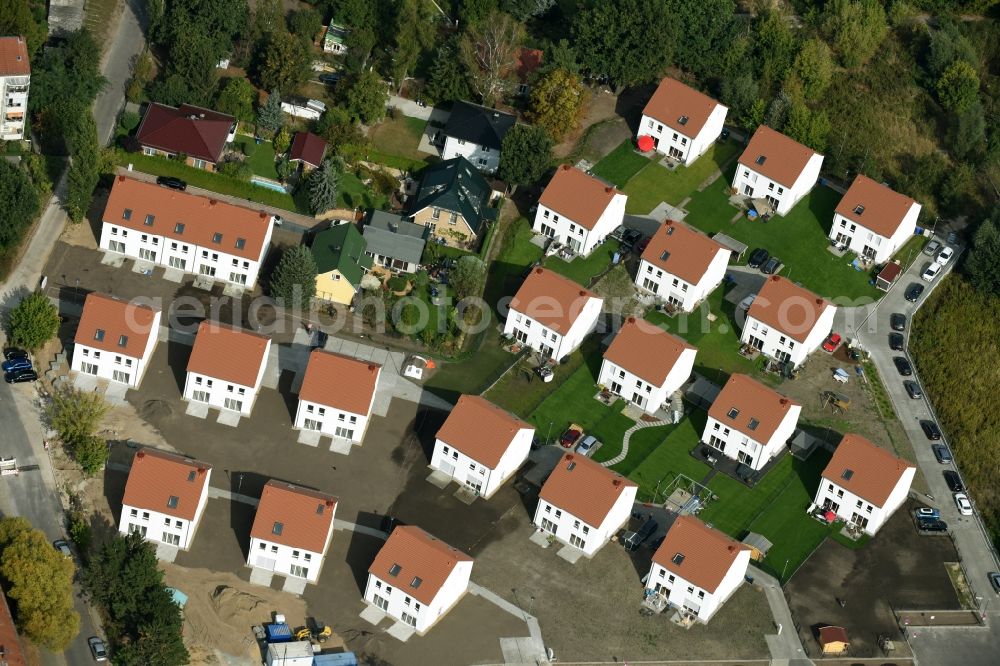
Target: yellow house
453, 202
341, 262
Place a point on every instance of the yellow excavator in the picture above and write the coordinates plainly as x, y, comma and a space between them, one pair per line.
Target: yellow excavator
319, 633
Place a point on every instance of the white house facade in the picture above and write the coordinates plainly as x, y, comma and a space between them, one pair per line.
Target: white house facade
776, 169
481, 445
645, 365
115, 339
337, 396
416, 578
291, 531
583, 504
863, 484
697, 568
787, 322
185, 232
578, 210
681, 266
165, 497
873, 220
476, 133
226, 368
552, 314
682, 122
749, 422
15, 79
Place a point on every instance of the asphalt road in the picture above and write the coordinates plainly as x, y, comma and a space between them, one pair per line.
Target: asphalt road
127, 42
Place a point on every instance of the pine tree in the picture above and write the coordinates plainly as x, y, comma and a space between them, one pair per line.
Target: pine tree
269, 114
323, 184
294, 279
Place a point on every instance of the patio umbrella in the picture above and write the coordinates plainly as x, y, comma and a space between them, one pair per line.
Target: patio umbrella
645, 143
829, 515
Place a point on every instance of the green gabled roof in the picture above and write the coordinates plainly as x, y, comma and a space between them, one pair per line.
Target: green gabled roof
341, 248
455, 185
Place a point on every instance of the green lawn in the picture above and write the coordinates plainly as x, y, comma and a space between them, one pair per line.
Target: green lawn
399, 137
620, 164
655, 184
798, 239
657, 455
583, 269
352, 193
261, 160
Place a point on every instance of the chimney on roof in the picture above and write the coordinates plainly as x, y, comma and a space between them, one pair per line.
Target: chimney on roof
329, 502
819, 301
630, 320
121, 179
774, 278
565, 167
783, 401
202, 471
140, 455
538, 271
201, 115
609, 190
616, 483
263, 214
212, 202
731, 548
583, 292
372, 367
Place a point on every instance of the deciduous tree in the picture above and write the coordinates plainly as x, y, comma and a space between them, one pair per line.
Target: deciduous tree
413, 34
958, 87
525, 154
283, 62
489, 51
855, 28
18, 204
557, 102
982, 264
814, 68
294, 279
366, 98
468, 277
237, 99
629, 41
33, 322
305, 24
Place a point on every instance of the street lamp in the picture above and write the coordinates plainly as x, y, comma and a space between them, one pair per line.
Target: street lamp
548, 435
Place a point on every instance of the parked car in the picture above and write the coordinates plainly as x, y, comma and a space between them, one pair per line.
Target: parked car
772, 266
723, 135
944, 256
171, 182
62, 547
926, 513
640, 247
942, 453
630, 237
330, 77
12, 353
758, 257
913, 292
932, 526
963, 504
618, 232
20, 376
897, 321
903, 366
931, 248
913, 389
16, 364
97, 648
954, 481
895, 342
930, 272
586, 447
633, 540
931, 430
569, 438
832, 342
994, 577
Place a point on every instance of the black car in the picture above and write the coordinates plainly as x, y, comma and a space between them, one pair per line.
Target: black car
903, 366
954, 481
931, 430
772, 266
13, 354
758, 258
897, 322
932, 526
330, 77
724, 136
994, 577
20, 376
913, 389
942, 453
630, 237
895, 342
913, 292
171, 182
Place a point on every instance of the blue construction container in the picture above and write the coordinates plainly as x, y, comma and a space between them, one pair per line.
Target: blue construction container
335, 659
278, 632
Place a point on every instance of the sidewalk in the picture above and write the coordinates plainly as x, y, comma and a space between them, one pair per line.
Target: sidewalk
409, 108
785, 644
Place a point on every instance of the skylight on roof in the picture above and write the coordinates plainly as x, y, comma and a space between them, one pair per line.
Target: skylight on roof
733, 413
123, 341
761, 159
216, 237
683, 120
241, 243
191, 475
278, 527
753, 424
415, 583
677, 558
394, 570
127, 214
319, 509
172, 501
664, 255
179, 228
149, 220
848, 473
859, 209
99, 335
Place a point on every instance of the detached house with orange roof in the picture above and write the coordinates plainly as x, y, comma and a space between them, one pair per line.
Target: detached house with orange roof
115, 339
185, 233
552, 314
197, 134
776, 169
337, 395
787, 322
646, 365
417, 578
225, 368
682, 122
578, 210
697, 568
15, 79
873, 220
583, 503
481, 445
749, 422
165, 497
681, 266
863, 483
291, 532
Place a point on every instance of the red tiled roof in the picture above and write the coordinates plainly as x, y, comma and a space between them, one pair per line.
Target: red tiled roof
340, 381
421, 558
304, 516
577, 196
13, 654
646, 350
551, 299
226, 353
115, 325
698, 553
674, 100
788, 308
14, 57
784, 159
680, 250
874, 206
753, 402
191, 130
832, 634
157, 476
873, 471
480, 429
201, 218
584, 488
309, 148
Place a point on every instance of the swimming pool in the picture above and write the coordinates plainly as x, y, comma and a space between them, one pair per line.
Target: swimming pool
269, 184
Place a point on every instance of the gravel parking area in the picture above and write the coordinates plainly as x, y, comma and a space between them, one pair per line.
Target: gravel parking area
899, 568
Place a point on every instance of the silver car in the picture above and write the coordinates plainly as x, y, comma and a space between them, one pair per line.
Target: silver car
586, 447
97, 648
